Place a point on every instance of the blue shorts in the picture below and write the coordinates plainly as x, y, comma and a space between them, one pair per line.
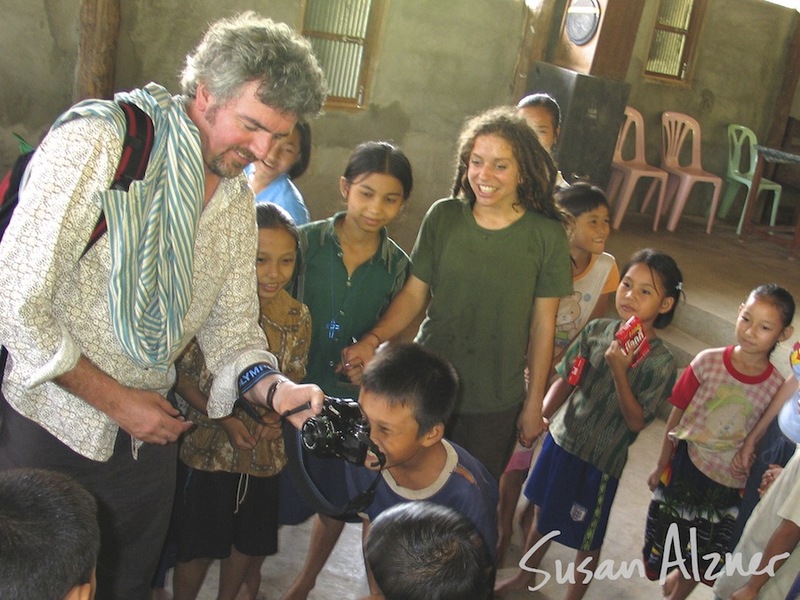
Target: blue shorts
573, 496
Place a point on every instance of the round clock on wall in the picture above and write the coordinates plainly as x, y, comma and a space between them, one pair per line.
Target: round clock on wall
582, 20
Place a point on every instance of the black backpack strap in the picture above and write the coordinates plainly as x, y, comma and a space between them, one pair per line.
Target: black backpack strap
136, 147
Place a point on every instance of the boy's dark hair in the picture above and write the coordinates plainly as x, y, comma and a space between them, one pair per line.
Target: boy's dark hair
410, 375
580, 197
298, 168
669, 275
425, 551
49, 536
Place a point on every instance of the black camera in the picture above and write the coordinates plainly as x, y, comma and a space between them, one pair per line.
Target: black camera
340, 430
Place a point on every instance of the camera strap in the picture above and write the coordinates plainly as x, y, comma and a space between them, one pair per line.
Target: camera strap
295, 454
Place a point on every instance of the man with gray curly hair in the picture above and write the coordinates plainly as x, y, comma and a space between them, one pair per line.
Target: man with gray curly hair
278, 69
93, 329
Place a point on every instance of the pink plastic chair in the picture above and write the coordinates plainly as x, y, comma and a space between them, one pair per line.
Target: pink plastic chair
625, 173
675, 129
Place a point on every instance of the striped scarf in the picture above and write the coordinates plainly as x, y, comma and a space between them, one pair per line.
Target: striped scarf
151, 228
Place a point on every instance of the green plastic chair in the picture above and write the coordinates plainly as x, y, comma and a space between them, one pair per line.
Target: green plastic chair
738, 136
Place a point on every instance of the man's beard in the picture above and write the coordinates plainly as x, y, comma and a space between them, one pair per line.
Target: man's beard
220, 168
217, 164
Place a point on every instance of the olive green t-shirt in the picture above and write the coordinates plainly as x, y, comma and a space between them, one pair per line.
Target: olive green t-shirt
483, 283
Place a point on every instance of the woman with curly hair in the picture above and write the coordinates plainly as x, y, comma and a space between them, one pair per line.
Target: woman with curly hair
490, 263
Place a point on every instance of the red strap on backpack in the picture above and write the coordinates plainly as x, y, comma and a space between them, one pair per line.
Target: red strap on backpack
4, 184
136, 149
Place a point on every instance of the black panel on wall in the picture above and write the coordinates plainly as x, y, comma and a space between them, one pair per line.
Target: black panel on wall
592, 109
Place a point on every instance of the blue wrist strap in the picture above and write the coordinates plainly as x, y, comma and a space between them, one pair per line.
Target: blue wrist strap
253, 374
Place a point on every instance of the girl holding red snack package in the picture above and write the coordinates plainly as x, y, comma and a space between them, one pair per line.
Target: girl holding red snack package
595, 277
575, 478
718, 405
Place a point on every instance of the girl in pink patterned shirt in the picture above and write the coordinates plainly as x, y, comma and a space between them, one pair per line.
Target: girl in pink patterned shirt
698, 480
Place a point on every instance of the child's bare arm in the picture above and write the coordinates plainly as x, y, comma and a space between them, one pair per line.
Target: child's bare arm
666, 448
556, 396
237, 433
600, 309
783, 541
540, 352
746, 455
188, 389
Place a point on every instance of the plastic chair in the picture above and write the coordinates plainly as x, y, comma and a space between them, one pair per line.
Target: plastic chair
625, 174
675, 130
738, 136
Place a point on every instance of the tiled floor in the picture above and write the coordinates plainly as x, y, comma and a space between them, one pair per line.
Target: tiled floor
719, 271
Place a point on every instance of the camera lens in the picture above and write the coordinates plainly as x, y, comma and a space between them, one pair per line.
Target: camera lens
317, 433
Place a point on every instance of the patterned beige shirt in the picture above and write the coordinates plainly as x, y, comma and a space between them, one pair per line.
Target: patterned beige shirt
287, 323
54, 304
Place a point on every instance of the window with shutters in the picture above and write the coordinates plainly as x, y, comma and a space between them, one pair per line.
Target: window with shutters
344, 34
674, 42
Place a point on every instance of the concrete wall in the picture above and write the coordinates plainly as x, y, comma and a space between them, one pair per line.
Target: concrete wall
39, 52
739, 70
440, 61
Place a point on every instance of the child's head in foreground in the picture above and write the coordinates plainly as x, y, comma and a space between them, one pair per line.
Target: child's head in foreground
650, 286
49, 536
407, 394
425, 551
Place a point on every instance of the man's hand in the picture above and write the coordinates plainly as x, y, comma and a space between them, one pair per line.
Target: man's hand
145, 415
288, 396
149, 417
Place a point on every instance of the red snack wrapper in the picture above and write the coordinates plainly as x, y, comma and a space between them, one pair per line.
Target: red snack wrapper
632, 339
575, 373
